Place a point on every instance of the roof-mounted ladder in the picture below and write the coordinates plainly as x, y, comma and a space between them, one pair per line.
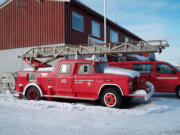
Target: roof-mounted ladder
56, 52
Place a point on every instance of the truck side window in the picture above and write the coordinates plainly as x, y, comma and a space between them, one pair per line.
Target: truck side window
65, 68
99, 67
163, 68
143, 68
85, 69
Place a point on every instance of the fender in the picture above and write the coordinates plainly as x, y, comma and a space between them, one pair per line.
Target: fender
32, 84
111, 85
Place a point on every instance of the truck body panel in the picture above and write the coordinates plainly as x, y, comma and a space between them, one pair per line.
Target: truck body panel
164, 76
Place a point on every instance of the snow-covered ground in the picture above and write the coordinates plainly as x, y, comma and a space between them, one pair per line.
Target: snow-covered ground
160, 116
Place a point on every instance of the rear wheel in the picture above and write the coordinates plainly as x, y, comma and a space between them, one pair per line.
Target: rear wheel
111, 98
33, 94
178, 92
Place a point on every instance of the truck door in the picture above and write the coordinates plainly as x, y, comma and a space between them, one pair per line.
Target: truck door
165, 78
64, 79
84, 80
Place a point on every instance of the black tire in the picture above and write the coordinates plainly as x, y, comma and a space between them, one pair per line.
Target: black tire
33, 94
111, 98
178, 92
126, 99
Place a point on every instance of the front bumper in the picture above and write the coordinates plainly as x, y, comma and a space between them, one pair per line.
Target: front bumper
146, 94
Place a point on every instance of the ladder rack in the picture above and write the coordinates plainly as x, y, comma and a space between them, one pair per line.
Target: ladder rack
52, 53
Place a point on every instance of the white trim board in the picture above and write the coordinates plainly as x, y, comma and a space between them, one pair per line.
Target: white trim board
5, 3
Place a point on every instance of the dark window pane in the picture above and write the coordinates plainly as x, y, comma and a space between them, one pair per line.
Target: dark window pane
162, 68
99, 67
77, 22
126, 39
113, 36
143, 68
95, 29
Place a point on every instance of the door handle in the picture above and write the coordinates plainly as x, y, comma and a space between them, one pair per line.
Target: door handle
157, 75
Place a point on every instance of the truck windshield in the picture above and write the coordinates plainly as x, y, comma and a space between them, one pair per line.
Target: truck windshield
99, 67
175, 67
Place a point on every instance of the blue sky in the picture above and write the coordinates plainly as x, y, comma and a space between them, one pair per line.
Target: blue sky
1, 1
155, 19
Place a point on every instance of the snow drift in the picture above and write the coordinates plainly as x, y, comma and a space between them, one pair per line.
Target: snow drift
159, 116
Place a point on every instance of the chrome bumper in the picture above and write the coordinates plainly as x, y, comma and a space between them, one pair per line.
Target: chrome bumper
146, 94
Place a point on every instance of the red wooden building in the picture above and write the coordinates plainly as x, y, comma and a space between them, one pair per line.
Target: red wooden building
28, 23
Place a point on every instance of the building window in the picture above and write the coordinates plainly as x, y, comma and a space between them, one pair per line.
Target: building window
113, 36
95, 29
126, 39
77, 22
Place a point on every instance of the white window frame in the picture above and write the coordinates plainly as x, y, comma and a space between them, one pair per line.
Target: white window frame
80, 16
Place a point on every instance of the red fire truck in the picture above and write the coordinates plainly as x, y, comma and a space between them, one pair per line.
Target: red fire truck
164, 76
83, 80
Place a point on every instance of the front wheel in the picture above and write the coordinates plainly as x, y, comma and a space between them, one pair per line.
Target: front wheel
33, 94
178, 92
111, 98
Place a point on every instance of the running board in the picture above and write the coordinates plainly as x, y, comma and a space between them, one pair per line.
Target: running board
69, 97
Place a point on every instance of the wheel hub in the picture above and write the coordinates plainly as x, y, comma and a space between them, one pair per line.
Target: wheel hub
110, 99
33, 95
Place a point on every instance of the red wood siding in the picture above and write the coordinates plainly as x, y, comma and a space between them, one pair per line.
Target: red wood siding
77, 37
74, 36
35, 23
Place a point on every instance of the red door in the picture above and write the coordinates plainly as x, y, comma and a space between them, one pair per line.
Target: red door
165, 78
84, 81
64, 79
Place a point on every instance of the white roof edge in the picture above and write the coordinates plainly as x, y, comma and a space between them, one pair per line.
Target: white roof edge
5, 4
9, 1
61, 0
